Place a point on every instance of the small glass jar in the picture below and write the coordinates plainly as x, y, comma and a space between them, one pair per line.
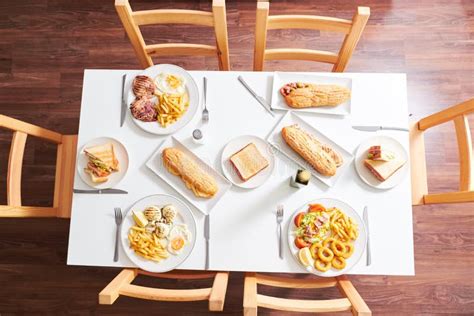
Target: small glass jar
301, 178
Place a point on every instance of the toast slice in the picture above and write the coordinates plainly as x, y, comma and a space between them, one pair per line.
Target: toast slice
248, 162
103, 155
95, 178
383, 170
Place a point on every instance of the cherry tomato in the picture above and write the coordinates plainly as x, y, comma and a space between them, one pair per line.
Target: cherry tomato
300, 243
299, 219
316, 208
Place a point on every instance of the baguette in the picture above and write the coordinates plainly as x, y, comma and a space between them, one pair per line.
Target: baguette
310, 149
194, 177
305, 95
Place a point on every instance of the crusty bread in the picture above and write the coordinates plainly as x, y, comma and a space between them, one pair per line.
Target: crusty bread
194, 177
308, 147
314, 95
383, 170
248, 161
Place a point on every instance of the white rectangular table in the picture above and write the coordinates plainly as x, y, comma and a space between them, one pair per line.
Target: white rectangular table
243, 225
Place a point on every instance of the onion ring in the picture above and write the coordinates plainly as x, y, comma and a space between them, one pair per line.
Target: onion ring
339, 263
348, 250
339, 248
327, 241
322, 266
325, 254
314, 250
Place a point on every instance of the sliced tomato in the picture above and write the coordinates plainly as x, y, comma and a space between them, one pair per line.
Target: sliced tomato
300, 243
316, 208
299, 219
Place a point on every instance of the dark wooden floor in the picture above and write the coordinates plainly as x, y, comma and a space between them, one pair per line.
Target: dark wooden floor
45, 46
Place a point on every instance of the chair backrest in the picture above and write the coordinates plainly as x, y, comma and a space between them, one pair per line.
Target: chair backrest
64, 177
458, 115
351, 301
131, 21
352, 30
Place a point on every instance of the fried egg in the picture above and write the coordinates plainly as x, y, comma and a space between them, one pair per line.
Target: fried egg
170, 84
178, 237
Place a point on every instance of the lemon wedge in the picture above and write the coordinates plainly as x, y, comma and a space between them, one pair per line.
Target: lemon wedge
305, 256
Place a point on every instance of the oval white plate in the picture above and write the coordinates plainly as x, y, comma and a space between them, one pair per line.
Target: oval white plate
184, 217
364, 173
237, 144
359, 243
115, 177
191, 88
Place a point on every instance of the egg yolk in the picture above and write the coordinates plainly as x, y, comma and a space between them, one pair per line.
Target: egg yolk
177, 243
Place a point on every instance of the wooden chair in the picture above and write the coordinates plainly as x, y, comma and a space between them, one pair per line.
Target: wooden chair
352, 30
351, 302
64, 179
131, 21
121, 285
458, 115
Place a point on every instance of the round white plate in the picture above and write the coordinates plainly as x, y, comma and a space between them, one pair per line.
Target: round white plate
193, 94
237, 144
387, 143
184, 216
115, 177
359, 243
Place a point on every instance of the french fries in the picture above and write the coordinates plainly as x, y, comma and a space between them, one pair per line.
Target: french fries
170, 108
146, 245
343, 226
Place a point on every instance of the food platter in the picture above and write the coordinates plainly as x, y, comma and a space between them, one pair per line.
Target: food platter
191, 95
184, 216
390, 144
237, 144
115, 177
359, 244
290, 118
156, 165
282, 78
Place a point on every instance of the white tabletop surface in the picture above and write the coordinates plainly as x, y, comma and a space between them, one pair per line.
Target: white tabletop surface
243, 225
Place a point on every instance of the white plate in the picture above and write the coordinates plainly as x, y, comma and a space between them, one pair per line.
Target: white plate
237, 144
191, 88
115, 177
184, 216
390, 144
359, 243
155, 164
291, 118
282, 78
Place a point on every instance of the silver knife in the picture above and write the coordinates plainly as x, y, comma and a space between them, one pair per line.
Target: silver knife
366, 222
267, 106
101, 191
124, 102
207, 235
379, 128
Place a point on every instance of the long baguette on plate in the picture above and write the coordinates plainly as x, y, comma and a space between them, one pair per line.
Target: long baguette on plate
194, 177
305, 95
321, 157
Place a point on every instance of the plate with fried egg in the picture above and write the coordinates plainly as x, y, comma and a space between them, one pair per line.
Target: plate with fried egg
162, 99
158, 233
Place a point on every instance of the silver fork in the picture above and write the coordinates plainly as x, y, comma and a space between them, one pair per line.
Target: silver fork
279, 221
205, 112
118, 222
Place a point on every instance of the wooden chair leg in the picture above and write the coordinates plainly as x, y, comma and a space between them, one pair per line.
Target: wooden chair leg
250, 294
218, 292
112, 291
359, 307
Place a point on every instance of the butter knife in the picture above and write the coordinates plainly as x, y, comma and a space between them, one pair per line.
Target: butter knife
124, 102
101, 191
267, 106
366, 222
207, 236
379, 128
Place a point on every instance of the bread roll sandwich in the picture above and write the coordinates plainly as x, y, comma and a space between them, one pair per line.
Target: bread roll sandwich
248, 161
305, 95
194, 177
102, 162
383, 170
322, 158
